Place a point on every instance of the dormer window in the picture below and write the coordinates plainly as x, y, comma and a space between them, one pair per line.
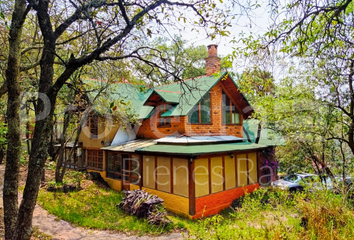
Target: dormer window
164, 121
230, 114
200, 113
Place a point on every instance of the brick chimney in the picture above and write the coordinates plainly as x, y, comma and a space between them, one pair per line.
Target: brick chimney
212, 61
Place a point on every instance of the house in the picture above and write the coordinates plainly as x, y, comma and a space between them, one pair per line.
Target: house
190, 147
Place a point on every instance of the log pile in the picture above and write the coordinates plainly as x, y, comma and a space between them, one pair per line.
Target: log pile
144, 205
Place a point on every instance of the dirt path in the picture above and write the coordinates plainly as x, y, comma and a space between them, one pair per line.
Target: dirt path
61, 229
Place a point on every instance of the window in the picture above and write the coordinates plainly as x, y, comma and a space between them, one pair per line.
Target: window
95, 159
292, 178
230, 114
94, 126
123, 166
164, 121
200, 113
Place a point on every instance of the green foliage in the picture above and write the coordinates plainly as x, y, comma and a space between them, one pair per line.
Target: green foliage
3, 17
269, 214
313, 107
181, 61
255, 83
78, 177
3, 134
51, 165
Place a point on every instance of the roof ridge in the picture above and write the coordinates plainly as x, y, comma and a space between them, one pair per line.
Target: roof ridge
163, 90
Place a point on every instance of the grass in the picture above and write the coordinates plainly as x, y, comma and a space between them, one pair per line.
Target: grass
265, 214
274, 215
95, 207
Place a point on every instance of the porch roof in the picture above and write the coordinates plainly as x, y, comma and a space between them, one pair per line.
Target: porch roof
130, 146
195, 150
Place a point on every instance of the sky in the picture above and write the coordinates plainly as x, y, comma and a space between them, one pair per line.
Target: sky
258, 22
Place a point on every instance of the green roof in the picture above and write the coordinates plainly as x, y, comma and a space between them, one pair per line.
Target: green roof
182, 95
132, 93
187, 94
194, 150
268, 137
167, 96
145, 112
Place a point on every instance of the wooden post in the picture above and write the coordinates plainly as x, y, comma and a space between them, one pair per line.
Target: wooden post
171, 174
155, 173
191, 185
209, 175
141, 171
248, 173
223, 174
258, 167
81, 162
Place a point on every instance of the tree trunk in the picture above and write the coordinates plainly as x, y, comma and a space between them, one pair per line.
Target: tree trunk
13, 154
27, 131
259, 130
343, 159
1, 154
43, 175
43, 127
71, 153
247, 135
63, 141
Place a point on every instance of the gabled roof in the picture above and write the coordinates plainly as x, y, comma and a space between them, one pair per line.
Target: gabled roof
134, 93
167, 96
185, 95
188, 93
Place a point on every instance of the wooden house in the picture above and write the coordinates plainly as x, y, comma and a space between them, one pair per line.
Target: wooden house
191, 146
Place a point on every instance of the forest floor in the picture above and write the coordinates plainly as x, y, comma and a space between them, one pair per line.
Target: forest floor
48, 226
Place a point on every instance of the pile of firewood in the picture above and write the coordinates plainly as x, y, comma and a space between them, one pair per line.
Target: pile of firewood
144, 205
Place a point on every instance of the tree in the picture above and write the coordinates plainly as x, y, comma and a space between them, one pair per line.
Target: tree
320, 34
103, 30
256, 84
317, 37
180, 60
10, 194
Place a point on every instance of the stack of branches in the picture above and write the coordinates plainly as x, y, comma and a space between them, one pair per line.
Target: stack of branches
145, 205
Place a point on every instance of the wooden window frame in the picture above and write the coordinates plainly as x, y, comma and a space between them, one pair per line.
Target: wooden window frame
166, 120
95, 159
200, 113
232, 104
120, 175
93, 126
172, 191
